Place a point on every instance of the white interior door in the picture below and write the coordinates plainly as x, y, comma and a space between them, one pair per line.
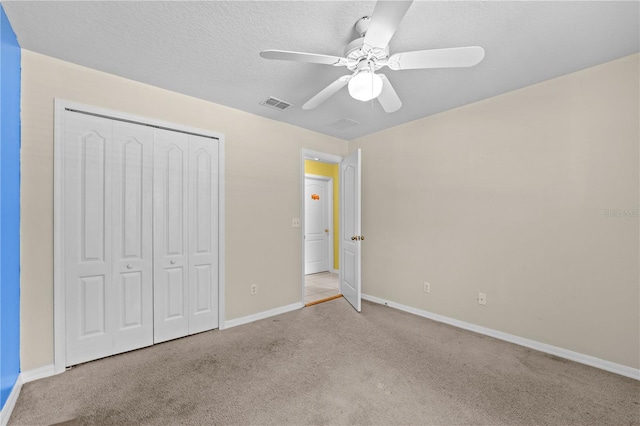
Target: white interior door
88, 262
108, 256
132, 215
170, 235
316, 225
137, 221
140, 221
203, 241
185, 234
350, 234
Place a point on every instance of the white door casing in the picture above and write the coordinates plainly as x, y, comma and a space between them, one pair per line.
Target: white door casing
317, 224
104, 225
350, 229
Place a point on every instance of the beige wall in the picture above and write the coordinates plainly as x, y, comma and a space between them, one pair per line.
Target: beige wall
508, 196
261, 196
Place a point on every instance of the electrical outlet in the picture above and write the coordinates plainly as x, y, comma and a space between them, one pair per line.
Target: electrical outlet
482, 299
426, 287
295, 223
254, 289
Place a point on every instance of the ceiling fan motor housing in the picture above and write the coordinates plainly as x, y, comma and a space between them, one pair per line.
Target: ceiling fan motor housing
356, 52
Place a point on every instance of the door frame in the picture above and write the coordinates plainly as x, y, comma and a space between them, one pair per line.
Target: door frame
307, 154
59, 308
330, 247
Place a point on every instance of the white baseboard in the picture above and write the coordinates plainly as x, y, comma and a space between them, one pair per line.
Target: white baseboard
37, 373
263, 315
623, 370
6, 411
335, 271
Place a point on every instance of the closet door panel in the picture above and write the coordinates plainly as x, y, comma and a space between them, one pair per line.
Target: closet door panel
132, 181
140, 235
170, 235
87, 237
203, 226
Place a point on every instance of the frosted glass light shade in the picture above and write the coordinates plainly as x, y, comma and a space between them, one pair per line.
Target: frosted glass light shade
365, 86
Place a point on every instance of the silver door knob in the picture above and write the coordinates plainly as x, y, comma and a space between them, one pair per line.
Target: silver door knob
129, 266
173, 261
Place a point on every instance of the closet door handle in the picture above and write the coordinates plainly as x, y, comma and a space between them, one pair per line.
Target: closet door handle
173, 261
129, 266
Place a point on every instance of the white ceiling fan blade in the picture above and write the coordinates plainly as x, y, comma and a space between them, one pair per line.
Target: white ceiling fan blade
437, 58
384, 22
303, 57
327, 92
388, 98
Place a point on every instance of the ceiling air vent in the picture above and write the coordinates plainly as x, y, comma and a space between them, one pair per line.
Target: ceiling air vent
344, 123
276, 103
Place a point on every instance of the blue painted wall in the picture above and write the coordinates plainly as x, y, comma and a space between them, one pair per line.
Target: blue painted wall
9, 208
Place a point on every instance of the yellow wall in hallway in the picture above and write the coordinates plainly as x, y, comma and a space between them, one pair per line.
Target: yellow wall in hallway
329, 170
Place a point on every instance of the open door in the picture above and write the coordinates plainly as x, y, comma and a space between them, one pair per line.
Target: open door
350, 237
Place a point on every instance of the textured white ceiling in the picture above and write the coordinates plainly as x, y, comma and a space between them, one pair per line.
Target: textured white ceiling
210, 50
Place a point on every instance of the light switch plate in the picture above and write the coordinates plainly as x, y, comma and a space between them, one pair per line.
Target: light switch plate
295, 223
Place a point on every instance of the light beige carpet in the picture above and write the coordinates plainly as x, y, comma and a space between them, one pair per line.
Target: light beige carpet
327, 364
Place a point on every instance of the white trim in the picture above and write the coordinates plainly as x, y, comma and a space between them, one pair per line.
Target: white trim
591, 361
119, 115
221, 234
335, 271
262, 315
59, 308
38, 373
5, 413
24, 377
308, 154
60, 105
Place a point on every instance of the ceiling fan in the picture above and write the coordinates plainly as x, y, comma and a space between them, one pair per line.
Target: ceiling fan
367, 54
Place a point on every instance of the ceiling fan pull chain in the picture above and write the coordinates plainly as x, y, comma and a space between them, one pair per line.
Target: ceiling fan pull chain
372, 92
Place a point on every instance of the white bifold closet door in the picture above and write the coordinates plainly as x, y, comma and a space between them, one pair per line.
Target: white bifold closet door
185, 235
140, 235
108, 242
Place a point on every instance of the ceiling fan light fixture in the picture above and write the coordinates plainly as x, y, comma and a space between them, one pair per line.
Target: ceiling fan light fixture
365, 86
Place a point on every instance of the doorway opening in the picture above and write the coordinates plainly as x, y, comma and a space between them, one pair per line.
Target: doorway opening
320, 227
